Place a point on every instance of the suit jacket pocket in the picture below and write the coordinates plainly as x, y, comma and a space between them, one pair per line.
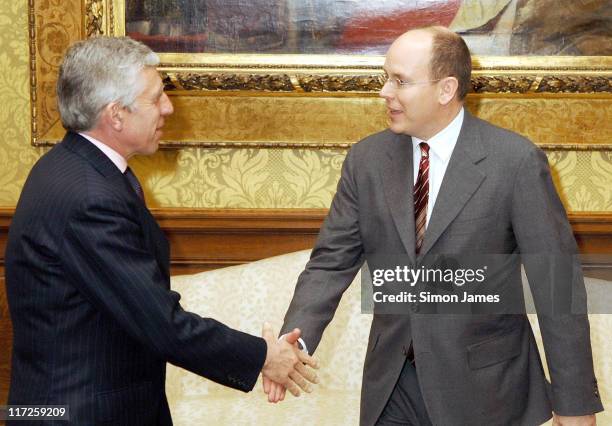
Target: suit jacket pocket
471, 226
495, 350
128, 405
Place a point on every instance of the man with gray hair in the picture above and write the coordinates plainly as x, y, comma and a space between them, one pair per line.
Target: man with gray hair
87, 266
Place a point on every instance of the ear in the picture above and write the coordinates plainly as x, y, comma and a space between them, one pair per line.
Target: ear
448, 89
112, 114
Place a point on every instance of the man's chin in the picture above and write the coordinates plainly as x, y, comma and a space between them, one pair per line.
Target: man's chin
152, 147
396, 127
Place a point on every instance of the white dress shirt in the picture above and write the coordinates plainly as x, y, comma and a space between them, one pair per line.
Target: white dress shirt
441, 146
112, 155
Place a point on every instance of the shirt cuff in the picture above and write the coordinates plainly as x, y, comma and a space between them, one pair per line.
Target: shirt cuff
304, 348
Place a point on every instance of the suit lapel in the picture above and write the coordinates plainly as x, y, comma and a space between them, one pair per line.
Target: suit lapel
398, 182
461, 180
81, 146
153, 233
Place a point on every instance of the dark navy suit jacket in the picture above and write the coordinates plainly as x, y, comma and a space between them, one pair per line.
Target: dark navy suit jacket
88, 285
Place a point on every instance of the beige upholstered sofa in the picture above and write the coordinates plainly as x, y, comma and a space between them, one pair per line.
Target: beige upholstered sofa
245, 296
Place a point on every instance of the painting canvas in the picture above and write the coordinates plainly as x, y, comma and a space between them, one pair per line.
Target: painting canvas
306, 73
491, 27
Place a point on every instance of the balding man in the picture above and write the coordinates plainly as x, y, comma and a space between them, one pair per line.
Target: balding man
441, 181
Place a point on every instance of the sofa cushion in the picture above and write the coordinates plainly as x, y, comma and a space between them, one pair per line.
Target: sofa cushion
245, 296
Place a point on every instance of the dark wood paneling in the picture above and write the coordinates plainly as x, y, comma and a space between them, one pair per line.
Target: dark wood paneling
593, 233
207, 239
6, 331
212, 238
6, 337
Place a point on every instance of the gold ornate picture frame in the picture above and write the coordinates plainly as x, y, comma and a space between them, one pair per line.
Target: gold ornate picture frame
322, 101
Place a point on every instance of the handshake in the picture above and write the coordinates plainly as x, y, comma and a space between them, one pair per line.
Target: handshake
286, 366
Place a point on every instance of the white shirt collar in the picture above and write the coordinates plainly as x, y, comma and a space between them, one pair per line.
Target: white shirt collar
112, 155
443, 143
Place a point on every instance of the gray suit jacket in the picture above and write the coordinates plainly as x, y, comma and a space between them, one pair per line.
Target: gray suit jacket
497, 196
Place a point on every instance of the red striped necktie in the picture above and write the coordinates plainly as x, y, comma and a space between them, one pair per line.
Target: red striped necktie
421, 196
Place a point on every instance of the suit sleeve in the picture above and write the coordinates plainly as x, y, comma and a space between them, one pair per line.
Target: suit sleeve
105, 257
334, 262
550, 256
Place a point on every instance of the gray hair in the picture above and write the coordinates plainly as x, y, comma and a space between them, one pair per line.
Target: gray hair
96, 72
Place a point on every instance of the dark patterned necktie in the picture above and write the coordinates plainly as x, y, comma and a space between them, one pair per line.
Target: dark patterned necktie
131, 177
421, 196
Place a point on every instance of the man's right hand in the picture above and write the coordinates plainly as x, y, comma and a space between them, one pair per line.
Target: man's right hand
286, 365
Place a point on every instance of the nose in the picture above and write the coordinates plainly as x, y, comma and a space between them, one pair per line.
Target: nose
166, 107
386, 91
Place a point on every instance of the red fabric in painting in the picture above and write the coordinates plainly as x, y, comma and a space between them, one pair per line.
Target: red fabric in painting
370, 28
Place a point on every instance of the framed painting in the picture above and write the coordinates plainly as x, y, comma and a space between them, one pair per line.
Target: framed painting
306, 73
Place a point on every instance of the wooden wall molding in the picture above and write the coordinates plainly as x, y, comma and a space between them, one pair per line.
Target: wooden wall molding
206, 239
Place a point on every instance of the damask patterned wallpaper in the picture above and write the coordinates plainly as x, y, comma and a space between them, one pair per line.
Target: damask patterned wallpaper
16, 155
240, 178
